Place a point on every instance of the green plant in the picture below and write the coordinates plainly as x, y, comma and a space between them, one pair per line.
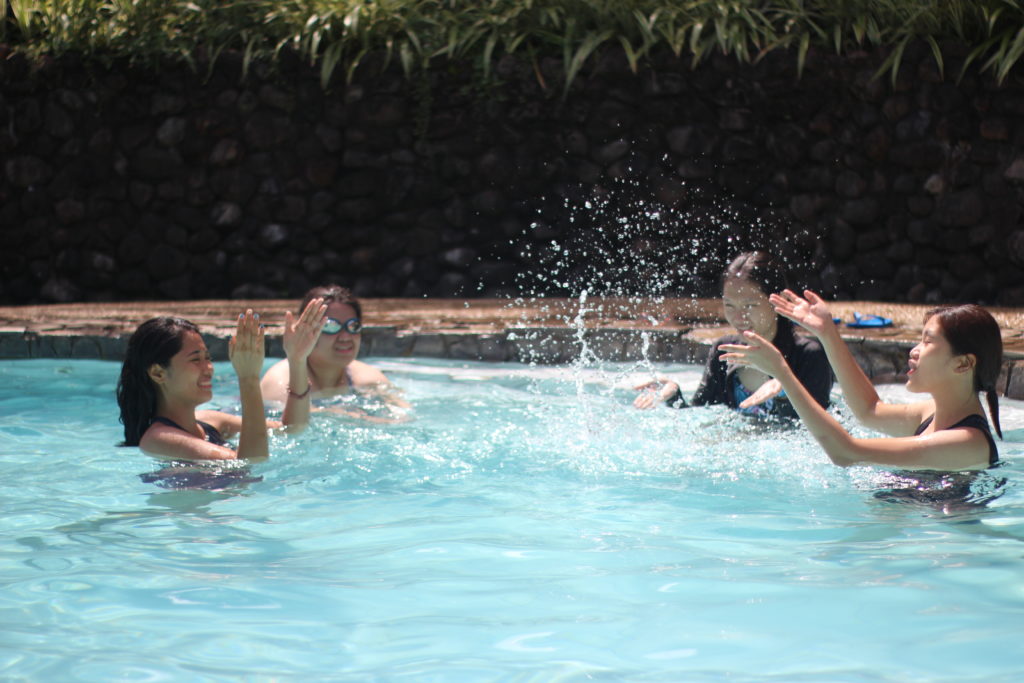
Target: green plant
338, 35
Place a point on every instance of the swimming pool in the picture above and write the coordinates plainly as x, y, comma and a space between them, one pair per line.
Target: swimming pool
527, 525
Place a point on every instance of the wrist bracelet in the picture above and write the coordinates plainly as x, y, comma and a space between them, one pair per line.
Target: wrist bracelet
304, 394
676, 400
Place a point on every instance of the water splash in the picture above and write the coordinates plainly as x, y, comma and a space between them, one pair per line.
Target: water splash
618, 240
615, 255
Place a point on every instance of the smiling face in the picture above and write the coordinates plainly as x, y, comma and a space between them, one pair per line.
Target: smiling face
343, 347
188, 377
748, 308
931, 360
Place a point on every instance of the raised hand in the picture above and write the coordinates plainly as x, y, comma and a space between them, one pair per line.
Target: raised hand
246, 348
809, 311
300, 335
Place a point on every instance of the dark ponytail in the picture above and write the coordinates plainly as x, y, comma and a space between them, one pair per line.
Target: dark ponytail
992, 398
971, 329
155, 341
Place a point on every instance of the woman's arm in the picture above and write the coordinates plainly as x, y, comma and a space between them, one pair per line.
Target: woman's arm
812, 314
657, 391
170, 442
300, 336
769, 389
246, 350
227, 424
953, 449
372, 382
361, 414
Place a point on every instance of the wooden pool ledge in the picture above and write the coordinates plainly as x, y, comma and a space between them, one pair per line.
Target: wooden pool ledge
543, 331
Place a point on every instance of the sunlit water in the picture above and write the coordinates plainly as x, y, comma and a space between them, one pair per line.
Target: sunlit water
527, 525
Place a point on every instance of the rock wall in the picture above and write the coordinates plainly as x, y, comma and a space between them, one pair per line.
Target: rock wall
122, 184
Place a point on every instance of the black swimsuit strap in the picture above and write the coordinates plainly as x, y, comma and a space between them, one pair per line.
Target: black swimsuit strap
169, 422
212, 433
974, 421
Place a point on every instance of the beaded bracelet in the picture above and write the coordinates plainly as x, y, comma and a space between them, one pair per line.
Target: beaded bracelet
304, 394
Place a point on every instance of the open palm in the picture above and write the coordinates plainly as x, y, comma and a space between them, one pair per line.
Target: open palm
809, 311
300, 335
246, 348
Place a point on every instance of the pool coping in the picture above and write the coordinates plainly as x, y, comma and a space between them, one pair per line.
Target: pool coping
542, 331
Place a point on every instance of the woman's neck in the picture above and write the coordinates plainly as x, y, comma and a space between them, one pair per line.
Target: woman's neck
327, 375
954, 405
181, 414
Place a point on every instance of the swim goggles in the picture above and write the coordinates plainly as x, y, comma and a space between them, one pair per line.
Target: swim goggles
334, 326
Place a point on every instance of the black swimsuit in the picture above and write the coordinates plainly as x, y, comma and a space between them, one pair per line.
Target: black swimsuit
974, 421
212, 435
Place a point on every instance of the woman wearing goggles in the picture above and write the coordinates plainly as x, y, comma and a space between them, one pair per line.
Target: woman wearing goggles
321, 346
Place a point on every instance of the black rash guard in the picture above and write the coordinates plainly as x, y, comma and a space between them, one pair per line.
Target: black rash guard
804, 354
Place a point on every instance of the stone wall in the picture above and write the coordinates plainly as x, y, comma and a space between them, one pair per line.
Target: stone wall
121, 184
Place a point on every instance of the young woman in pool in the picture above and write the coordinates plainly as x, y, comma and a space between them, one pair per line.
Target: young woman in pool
328, 367
746, 284
167, 374
959, 355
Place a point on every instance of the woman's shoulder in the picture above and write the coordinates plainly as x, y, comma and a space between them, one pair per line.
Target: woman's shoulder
220, 421
169, 440
274, 384
364, 373
278, 368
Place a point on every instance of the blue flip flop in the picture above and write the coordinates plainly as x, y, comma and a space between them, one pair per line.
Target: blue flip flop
869, 320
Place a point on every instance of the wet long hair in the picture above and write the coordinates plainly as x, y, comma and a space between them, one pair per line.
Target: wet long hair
332, 293
155, 341
761, 269
969, 328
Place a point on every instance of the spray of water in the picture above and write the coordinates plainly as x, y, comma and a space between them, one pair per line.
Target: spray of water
616, 257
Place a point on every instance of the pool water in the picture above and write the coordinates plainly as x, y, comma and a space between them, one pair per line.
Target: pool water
526, 525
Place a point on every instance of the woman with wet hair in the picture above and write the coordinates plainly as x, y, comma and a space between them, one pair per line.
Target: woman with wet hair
168, 373
327, 367
746, 284
959, 357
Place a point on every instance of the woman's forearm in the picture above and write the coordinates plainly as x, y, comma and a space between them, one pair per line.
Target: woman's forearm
834, 439
252, 441
297, 401
859, 392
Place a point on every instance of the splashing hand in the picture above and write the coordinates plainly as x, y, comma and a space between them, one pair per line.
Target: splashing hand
810, 311
655, 392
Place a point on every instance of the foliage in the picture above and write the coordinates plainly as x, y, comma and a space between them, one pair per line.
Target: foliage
338, 35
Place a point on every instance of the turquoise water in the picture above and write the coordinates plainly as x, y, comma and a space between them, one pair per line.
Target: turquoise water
526, 525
